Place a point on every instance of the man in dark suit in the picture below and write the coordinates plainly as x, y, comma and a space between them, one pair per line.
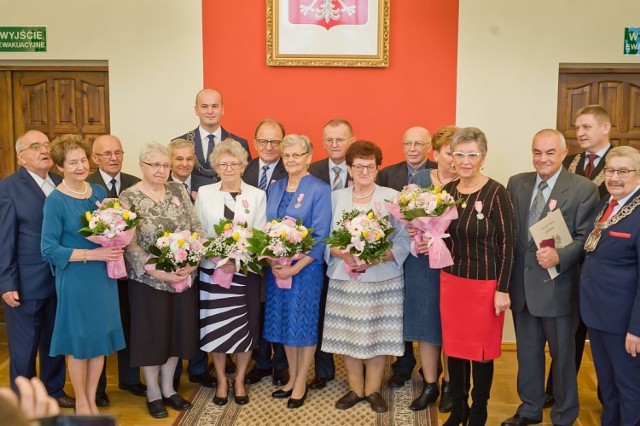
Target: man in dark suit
183, 159
107, 153
416, 142
337, 137
26, 284
209, 108
545, 309
593, 126
261, 172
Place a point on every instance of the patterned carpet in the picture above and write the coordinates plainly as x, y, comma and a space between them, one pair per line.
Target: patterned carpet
318, 408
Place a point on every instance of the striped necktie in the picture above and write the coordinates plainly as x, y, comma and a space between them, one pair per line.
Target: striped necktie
263, 178
337, 181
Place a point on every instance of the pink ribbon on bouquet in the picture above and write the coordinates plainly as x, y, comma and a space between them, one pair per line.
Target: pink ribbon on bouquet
180, 286
115, 268
349, 270
285, 261
220, 276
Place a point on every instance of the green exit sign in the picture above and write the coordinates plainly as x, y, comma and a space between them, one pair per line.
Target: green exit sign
632, 41
23, 39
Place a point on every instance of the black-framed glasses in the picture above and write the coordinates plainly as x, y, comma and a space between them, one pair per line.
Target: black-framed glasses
295, 156
36, 146
264, 142
622, 173
157, 166
108, 154
361, 168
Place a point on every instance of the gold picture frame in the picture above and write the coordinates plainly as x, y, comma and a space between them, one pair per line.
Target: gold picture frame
325, 43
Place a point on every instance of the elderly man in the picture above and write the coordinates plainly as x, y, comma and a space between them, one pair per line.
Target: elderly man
545, 309
269, 357
183, 160
610, 289
26, 284
108, 155
209, 108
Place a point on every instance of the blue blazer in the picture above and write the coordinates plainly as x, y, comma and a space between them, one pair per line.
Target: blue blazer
314, 210
21, 266
609, 281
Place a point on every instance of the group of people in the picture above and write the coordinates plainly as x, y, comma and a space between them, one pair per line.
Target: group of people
207, 174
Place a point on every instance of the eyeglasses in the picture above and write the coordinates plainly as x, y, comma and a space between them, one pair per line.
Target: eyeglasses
330, 141
622, 173
157, 166
225, 166
36, 146
360, 168
108, 154
295, 156
263, 142
409, 144
472, 156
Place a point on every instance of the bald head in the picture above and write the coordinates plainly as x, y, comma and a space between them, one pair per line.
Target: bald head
416, 142
108, 154
32, 149
209, 109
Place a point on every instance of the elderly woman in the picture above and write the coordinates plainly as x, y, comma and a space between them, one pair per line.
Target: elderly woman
164, 322
363, 315
291, 315
422, 291
229, 317
87, 325
610, 289
474, 291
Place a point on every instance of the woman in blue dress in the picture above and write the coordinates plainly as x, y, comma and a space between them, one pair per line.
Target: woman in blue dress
291, 315
87, 325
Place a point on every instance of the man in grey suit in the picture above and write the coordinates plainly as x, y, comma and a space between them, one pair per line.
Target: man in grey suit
545, 310
183, 159
108, 155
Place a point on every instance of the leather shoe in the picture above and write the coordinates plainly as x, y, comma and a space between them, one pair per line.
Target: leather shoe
446, 402
177, 402
203, 379
241, 400
137, 389
549, 400
280, 377
102, 400
256, 374
230, 366
156, 409
281, 393
297, 403
518, 420
220, 400
320, 382
397, 381
377, 403
348, 400
65, 401
429, 394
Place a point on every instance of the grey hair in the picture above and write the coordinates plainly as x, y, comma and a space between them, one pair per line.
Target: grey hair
625, 152
470, 134
563, 141
153, 148
302, 140
228, 146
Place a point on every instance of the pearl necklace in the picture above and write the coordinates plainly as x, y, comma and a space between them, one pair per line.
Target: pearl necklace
362, 197
86, 188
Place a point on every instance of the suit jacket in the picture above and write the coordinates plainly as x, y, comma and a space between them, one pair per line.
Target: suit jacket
126, 180
196, 182
575, 164
313, 208
252, 173
609, 281
396, 176
577, 199
21, 209
320, 169
208, 171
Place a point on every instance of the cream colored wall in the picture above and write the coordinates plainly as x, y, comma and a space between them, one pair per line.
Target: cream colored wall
509, 52
153, 49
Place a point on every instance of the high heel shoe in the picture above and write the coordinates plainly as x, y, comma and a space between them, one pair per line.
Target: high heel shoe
297, 403
429, 394
281, 393
221, 400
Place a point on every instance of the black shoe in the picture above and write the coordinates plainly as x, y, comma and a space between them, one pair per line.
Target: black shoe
348, 400
102, 400
320, 382
297, 403
280, 377
377, 402
138, 389
156, 409
203, 379
397, 381
445, 398
177, 402
65, 401
281, 393
241, 400
429, 394
230, 366
458, 416
220, 400
518, 420
549, 400
256, 374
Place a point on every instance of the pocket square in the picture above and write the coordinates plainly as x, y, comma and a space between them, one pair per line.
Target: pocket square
619, 234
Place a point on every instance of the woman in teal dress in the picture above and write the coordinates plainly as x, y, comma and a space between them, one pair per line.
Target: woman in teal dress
87, 325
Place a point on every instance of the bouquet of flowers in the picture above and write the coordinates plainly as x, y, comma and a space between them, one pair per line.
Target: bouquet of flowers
175, 250
362, 235
110, 225
283, 240
429, 210
230, 245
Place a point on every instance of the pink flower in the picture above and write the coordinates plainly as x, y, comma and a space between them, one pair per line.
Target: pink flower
175, 201
181, 255
552, 204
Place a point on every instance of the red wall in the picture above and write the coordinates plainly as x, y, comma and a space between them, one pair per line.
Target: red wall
418, 87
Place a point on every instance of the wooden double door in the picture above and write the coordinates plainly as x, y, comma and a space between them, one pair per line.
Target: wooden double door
54, 101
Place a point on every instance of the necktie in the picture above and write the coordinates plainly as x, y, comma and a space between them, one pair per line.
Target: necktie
538, 204
113, 192
186, 186
608, 211
46, 187
588, 171
263, 178
337, 181
209, 148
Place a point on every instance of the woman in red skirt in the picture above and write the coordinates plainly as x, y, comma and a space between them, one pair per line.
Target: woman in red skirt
474, 291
